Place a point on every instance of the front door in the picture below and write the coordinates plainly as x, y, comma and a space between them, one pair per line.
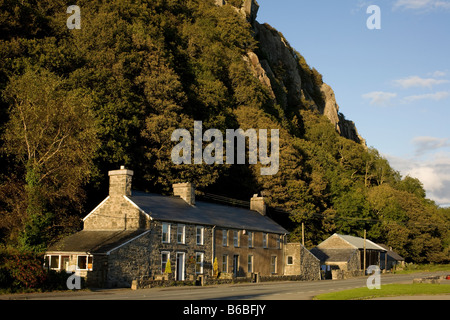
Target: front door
179, 276
235, 265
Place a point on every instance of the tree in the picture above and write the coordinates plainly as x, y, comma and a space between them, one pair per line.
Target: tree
216, 267
168, 269
52, 135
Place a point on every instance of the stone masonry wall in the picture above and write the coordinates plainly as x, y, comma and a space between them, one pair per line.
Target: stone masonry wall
335, 242
116, 213
309, 265
141, 259
262, 257
304, 263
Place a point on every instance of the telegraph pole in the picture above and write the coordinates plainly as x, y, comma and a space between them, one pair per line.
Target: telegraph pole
303, 233
364, 251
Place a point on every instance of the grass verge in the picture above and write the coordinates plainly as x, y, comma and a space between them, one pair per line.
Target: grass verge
413, 268
388, 290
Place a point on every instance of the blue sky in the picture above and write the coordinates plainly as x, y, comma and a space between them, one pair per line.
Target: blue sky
393, 82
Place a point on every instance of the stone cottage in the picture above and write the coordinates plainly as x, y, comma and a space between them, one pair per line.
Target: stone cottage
133, 235
342, 256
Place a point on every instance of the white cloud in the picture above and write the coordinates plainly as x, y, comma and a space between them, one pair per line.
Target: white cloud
379, 98
416, 81
432, 96
425, 144
438, 74
421, 4
434, 173
435, 176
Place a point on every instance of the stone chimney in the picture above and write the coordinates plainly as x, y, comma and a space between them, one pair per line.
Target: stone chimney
185, 191
257, 204
120, 182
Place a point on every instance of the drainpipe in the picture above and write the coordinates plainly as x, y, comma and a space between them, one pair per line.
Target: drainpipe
284, 255
213, 245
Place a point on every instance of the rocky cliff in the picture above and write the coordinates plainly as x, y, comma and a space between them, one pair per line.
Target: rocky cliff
292, 83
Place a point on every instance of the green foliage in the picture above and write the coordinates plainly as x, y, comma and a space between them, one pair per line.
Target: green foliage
22, 271
168, 268
216, 267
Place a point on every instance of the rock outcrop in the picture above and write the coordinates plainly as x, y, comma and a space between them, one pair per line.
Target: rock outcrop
291, 82
248, 9
346, 128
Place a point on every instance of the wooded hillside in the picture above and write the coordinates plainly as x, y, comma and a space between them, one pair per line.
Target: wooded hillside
77, 103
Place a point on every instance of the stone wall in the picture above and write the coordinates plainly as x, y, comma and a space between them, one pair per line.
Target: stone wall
116, 213
131, 261
141, 258
261, 256
335, 242
354, 263
304, 263
338, 274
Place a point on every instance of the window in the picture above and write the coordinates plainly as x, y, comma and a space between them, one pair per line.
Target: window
250, 239
273, 264
290, 260
225, 238
200, 235
236, 238
165, 256
199, 263
265, 236
165, 233
250, 264
54, 262
225, 263
278, 242
84, 262
181, 238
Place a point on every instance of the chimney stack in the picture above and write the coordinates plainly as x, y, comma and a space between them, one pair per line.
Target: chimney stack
257, 204
120, 182
186, 191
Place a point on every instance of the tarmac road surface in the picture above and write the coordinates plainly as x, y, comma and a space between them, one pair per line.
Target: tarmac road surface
288, 290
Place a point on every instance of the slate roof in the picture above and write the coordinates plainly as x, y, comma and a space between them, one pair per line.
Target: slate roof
359, 242
333, 255
394, 255
175, 209
95, 241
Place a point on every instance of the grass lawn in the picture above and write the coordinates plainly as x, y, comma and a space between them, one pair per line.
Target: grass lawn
386, 291
412, 268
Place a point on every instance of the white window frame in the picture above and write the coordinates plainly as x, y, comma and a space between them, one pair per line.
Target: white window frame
250, 263
250, 239
273, 264
265, 239
167, 225
279, 242
225, 237
87, 262
287, 261
163, 269
182, 233
50, 262
202, 231
199, 264
225, 263
236, 238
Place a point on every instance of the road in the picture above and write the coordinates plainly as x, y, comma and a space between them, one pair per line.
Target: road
301, 290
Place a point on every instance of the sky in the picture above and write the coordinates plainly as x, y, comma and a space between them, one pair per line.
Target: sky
393, 82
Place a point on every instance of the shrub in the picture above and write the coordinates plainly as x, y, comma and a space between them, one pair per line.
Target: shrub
26, 270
